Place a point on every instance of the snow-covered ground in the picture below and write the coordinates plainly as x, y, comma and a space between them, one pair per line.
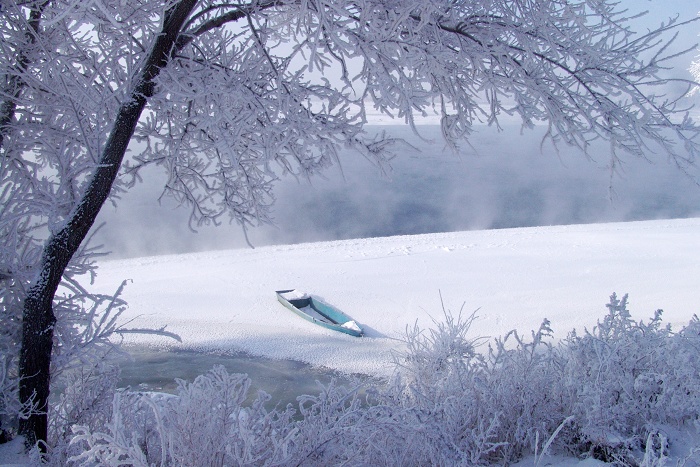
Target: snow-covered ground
225, 300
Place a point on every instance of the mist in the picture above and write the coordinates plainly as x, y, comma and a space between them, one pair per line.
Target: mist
504, 179
498, 180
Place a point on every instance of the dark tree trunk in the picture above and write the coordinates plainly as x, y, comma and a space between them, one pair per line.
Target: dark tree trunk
38, 317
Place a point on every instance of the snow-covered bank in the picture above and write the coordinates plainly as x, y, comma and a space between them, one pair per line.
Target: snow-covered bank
225, 300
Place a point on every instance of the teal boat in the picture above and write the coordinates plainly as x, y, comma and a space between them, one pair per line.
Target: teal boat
314, 310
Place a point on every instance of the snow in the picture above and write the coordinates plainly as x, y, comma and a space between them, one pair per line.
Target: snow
352, 325
293, 295
225, 300
12, 453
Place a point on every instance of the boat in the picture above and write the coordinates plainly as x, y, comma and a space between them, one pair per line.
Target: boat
316, 311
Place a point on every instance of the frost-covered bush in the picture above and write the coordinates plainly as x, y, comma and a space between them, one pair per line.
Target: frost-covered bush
443, 383
207, 423
213, 425
621, 392
85, 400
448, 404
524, 390
678, 394
128, 438
469, 408
338, 426
629, 379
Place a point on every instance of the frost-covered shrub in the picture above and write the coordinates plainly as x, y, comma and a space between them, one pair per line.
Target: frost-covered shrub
610, 393
473, 408
621, 392
524, 390
443, 384
677, 398
213, 426
86, 400
341, 426
420, 417
628, 379
124, 441
207, 423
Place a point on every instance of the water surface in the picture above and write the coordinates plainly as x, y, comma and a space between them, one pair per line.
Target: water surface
284, 380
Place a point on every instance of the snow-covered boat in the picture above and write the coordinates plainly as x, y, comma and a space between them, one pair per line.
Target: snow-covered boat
314, 310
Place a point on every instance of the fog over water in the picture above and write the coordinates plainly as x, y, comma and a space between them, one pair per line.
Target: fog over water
504, 179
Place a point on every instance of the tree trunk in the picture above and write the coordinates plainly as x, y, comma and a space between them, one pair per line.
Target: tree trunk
38, 317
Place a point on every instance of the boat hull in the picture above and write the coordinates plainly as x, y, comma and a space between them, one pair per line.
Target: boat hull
318, 312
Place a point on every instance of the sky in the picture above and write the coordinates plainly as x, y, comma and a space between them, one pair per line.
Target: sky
500, 179
660, 10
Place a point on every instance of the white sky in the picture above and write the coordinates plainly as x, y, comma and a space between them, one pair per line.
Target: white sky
661, 10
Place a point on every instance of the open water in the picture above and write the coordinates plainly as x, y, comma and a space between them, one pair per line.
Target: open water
284, 380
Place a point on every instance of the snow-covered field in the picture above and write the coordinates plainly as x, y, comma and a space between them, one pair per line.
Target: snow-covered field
225, 300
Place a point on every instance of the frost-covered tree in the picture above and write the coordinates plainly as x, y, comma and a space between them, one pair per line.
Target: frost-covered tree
47, 152
228, 96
